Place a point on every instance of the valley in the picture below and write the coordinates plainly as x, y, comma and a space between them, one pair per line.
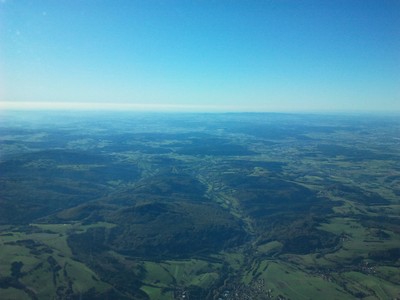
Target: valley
199, 206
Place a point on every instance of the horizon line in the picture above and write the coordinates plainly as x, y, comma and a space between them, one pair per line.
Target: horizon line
158, 107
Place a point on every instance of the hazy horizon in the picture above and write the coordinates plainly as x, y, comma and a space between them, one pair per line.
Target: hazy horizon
172, 108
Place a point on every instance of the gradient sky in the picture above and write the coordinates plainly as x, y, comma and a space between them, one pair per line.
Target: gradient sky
271, 55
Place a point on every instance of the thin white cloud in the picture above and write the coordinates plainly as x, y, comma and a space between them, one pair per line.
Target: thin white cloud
19, 105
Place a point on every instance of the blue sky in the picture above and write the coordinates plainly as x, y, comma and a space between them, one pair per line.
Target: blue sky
271, 55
